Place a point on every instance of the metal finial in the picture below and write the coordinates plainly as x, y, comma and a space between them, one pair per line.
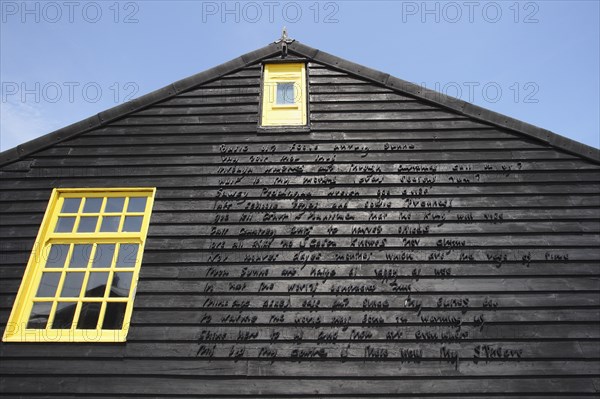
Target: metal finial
284, 36
284, 40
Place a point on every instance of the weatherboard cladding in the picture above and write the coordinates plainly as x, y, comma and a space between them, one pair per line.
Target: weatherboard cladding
442, 219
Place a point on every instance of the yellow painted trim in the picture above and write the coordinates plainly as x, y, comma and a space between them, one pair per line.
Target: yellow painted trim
16, 329
274, 114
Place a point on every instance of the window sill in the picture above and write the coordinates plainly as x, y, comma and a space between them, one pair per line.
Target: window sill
282, 129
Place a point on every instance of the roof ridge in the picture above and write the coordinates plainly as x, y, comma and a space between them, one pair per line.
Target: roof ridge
473, 111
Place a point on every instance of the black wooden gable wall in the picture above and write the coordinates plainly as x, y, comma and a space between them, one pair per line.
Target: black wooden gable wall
396, 250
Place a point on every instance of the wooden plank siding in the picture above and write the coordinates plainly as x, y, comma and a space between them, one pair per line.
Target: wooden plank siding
398, 249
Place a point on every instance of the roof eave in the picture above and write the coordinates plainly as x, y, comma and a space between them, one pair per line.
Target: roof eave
105, 117
451, 103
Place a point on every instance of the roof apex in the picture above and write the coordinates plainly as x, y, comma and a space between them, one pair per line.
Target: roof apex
282, 47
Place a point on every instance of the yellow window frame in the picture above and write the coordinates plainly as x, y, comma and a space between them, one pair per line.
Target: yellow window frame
293, 114
18, 330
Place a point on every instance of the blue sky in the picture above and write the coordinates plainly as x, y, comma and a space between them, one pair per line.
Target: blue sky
537, 61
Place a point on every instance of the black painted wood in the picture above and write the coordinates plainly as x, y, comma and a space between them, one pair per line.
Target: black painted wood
398, 249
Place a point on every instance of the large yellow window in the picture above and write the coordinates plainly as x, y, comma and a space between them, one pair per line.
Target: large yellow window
284, 95
81, 277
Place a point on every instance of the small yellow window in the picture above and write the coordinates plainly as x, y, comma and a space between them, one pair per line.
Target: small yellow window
81, 278
284, 95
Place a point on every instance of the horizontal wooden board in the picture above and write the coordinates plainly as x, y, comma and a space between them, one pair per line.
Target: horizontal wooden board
238, 134
325, 386
376, 271
199, 110
520, 335
251, 232
242, 98
231, 177
358, 287
256, 368
425, 217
